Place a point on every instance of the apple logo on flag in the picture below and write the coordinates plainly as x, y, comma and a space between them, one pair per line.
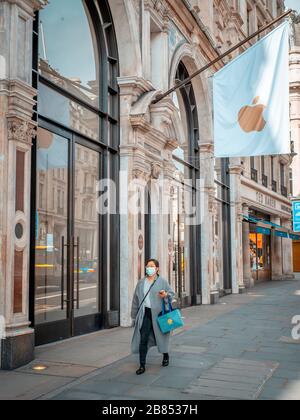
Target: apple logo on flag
251, 117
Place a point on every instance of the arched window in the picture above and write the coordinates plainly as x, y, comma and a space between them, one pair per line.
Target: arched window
189, 116
68, 49
185, 261
75, 69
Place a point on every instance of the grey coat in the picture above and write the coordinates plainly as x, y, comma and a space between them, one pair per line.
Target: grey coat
158, 339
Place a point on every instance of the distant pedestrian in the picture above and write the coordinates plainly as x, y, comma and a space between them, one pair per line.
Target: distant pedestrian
146, 306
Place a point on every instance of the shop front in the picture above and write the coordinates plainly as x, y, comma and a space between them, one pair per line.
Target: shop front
296, 255
267, 236
72, 274
260, 251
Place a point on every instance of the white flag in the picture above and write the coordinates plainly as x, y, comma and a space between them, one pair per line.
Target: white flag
251, 100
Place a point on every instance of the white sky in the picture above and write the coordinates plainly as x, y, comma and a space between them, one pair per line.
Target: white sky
293, 4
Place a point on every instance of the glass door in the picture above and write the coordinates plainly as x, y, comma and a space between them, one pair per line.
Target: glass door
67, 237
86, 273
180, 246
52, 235
260, 255
264, 263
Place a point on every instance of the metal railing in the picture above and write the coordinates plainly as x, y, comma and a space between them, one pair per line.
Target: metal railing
254, 175
265, 181
284, 191
274, 186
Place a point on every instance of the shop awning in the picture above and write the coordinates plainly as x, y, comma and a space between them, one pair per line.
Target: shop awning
265, 227
281, 234
279, 231
263, 230
250, 219
295, 236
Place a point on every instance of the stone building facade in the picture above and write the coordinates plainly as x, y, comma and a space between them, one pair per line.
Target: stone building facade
295, 105
76, 108
295, 123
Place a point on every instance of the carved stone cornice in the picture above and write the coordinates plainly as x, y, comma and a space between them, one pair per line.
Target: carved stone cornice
20, 98
30, 6
171, 145
140, 174
20, 130
159, 6
134, 86
139, 122
9, 86
235, 169
206, 148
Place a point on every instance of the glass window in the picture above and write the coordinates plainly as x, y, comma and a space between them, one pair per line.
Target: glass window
51, 227
282, 174
68, 50
68, 113
183, 249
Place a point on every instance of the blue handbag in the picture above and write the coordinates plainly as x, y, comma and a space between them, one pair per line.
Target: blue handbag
169, 320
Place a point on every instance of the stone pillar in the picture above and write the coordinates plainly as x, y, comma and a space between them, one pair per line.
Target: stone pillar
160, 60
235, 170
132, 168
146, 43
248, 281
207, 220
16, 132
127, 277
276, 250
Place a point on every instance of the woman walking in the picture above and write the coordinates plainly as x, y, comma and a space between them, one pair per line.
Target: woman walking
146, 306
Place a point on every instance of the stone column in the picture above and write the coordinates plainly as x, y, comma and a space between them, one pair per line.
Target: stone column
146, 42
132, 167
276, 250
127, 280
235, 170
207, 220
16, 132
248, 281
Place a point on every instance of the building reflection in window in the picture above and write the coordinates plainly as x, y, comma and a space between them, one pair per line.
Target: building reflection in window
72, 65
51, 225
87, 166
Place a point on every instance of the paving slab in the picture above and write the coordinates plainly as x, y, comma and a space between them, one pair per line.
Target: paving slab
234, 388
240, 348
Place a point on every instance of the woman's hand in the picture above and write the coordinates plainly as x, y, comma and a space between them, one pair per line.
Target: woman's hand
163, 294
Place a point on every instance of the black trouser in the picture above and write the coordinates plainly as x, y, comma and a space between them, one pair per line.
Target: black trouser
146, 330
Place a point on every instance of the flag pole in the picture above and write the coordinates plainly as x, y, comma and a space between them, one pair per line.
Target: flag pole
216, 60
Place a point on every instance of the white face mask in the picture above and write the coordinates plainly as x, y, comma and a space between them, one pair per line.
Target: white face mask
151, 271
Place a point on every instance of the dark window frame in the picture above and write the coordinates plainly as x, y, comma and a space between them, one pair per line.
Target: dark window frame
226, 222
108, 56
193, 165
264, 177
254, 172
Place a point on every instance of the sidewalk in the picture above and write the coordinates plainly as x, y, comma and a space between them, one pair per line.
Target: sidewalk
238, 349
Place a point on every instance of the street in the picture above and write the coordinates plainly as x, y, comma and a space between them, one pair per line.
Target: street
241, 348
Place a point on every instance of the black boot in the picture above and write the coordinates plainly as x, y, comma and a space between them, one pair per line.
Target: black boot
141, 370
166, 360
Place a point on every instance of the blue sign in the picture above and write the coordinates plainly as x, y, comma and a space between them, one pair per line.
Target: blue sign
296, 216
